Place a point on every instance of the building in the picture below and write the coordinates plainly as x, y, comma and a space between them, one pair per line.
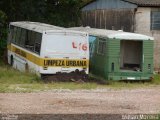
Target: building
139, 16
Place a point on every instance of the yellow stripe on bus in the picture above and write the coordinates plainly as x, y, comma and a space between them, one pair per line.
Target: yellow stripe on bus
47, 62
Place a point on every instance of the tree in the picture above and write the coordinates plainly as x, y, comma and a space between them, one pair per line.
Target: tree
3, 32
63, 12
58, 12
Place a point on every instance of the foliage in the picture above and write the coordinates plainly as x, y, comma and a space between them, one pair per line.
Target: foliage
57, 12
3, 32
64, 12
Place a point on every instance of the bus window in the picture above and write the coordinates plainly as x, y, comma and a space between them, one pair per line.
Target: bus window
23, 37
92, 40
101, 46
11, 33
32, 39
29, 43
14, 35
18, 36
38, 40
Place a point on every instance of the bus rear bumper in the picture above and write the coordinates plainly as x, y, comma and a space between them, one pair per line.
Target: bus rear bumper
130, 78
53, 70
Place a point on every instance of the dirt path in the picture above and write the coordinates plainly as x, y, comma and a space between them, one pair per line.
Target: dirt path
98, 101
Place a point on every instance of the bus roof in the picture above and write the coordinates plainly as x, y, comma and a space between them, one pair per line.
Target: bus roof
36, 26
113, 34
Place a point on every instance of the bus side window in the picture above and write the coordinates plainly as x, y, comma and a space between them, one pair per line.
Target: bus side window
11, 33
101, 46
27, 38
38, 40
23, 36
92, 40
18, 36
29, 43
14, 35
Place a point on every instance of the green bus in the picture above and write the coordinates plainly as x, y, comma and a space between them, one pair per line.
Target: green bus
118, 55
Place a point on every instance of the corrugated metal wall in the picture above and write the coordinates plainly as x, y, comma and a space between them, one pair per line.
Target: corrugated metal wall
120, 19
109, 4
109, 14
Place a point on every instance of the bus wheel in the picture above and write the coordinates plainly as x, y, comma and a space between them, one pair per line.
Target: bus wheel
12, 61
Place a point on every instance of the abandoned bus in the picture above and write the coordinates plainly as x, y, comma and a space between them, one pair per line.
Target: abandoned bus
45, 49
118, 55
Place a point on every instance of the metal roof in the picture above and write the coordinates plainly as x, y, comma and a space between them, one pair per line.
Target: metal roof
88, 3
42, 27
113, 34
141, 3
145, 3
36, 26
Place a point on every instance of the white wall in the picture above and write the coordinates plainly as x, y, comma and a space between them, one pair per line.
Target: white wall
142, 25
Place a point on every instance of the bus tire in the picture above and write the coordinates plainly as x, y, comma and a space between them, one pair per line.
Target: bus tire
11, 61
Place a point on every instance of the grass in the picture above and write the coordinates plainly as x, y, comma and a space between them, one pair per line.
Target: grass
14, 81
12, 76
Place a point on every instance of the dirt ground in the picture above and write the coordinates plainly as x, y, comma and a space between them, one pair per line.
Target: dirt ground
99, 101
83, 101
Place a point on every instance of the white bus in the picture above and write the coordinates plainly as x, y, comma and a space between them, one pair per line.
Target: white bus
46, 49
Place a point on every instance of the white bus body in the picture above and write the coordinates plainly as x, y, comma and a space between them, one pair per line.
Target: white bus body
46, 49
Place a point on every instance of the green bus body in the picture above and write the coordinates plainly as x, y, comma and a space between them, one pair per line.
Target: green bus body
102, 65
107, 63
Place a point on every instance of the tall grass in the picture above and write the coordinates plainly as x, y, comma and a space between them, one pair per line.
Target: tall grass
9, 75
12, 80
